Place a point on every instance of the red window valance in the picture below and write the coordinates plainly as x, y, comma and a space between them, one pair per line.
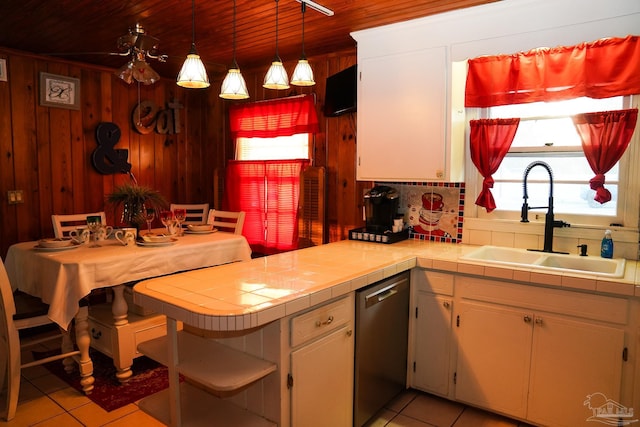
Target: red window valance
600, 69
273, 118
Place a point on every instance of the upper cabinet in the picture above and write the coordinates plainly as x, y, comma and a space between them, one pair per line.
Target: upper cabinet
402, 116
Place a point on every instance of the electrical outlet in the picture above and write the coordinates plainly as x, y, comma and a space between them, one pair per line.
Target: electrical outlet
15, 196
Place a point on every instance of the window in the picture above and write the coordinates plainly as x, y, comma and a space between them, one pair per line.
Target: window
277, 148
546, 132
272, 148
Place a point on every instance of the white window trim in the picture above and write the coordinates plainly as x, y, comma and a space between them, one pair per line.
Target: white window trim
629, 185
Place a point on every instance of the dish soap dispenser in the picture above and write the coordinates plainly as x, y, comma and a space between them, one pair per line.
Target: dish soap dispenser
606, 250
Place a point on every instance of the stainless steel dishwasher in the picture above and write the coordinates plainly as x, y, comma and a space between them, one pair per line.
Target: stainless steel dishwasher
382, 323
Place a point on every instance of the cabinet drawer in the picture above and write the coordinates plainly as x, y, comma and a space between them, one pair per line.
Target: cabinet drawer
432, 281
101, 337
320, 320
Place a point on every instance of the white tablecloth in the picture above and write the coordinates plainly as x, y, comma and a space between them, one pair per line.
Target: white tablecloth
63, 278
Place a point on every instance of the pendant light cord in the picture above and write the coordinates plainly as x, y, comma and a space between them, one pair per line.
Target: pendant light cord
193, 22
235, 64
304, 8
277, 55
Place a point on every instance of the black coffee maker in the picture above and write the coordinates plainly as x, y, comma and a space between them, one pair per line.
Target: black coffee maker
381, 208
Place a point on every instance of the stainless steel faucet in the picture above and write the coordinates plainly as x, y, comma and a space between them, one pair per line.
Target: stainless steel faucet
549, 222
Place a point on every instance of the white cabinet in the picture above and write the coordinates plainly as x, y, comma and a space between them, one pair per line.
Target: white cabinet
536, 353
321, 370
432, 309
402, 106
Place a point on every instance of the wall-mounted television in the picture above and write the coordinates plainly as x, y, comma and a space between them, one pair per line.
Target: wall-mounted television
341, 93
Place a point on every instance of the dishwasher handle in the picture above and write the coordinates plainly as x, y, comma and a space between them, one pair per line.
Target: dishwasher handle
382, 294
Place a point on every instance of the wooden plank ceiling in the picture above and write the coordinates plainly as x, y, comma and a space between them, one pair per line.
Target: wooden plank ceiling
91, 27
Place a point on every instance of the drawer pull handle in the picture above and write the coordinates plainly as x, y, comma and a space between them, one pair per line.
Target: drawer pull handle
326, 322
539, 321
527, 318
446, 304
96, 335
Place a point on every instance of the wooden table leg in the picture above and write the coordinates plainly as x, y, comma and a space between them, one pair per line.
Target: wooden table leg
122, 362
83, 341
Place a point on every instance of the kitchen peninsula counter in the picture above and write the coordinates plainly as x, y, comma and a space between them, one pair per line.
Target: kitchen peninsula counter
257, 307
250, 294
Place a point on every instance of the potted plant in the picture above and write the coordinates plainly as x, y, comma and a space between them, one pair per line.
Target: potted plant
134, 199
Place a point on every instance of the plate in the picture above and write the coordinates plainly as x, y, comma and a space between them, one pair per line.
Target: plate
156, 244
59, 248
200, 232
157, 238
55, 243
200, 227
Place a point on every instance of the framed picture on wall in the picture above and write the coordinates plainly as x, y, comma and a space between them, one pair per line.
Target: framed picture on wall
59, 91
3, 70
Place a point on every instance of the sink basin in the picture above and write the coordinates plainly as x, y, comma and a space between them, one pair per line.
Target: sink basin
593, 265
547, 261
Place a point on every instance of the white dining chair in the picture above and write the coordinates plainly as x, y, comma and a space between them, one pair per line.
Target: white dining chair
18, 312
196, 213
227, 220
63, 224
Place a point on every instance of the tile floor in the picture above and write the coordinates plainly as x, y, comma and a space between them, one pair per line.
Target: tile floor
45, 400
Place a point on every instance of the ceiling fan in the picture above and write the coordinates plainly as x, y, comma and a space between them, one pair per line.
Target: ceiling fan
139, 46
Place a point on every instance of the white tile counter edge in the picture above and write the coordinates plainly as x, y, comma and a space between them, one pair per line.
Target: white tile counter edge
245, 295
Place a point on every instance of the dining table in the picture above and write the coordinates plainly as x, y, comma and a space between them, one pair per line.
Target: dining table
63, 277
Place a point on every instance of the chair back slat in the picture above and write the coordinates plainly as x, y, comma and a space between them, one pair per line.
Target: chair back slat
64, 224
197, 213
227, 220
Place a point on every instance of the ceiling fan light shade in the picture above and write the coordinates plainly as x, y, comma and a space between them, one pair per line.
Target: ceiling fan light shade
125, 72
303, 74
234, 86
276, 77
138, 70
193, 75
143, 73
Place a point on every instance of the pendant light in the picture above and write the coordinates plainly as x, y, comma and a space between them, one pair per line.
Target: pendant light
276, 77
193, 74
303, 74
233, 85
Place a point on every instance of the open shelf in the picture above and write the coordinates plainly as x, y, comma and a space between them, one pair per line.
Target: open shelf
201, 409
210, 363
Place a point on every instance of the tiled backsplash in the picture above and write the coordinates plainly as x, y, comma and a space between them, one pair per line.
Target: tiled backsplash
432, 210
435, 210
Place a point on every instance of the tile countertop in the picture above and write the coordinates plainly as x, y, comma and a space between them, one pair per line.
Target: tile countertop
249, 294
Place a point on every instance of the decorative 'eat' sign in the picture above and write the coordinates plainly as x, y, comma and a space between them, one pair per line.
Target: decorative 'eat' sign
106, 159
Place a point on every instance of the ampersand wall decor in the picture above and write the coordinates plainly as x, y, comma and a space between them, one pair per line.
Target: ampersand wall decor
107, 159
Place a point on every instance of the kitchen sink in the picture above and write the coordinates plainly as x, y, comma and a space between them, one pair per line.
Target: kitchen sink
547, 261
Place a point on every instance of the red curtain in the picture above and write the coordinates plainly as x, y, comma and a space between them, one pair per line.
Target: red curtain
605, 137
268, 191
277, 117
490, 141
600, 69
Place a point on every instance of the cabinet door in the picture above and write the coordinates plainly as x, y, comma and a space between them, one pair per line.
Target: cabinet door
493, 357
322, 392
401, 116
432, 343
571, 360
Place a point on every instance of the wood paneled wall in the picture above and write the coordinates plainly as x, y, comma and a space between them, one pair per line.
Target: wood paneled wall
46, 151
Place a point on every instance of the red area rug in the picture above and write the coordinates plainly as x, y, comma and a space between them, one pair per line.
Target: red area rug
148, 377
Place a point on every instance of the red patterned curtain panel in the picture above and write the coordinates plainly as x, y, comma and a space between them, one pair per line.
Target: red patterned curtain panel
268, 192
605, 137
490, 141
600, 69
273, 118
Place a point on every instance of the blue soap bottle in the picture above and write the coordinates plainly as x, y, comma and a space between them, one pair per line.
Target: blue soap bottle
606, 249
